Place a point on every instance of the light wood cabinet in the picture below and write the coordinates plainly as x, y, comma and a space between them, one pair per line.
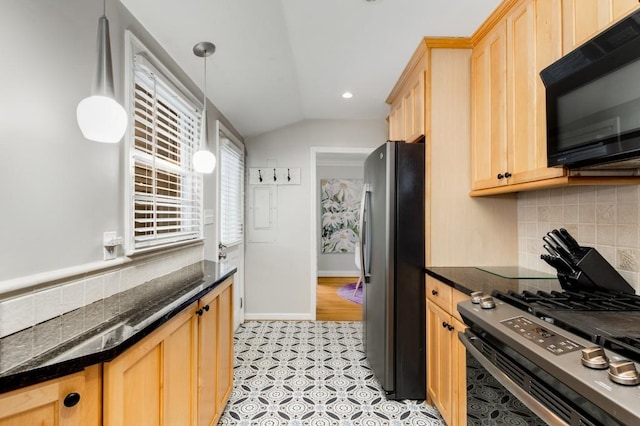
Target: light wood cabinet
489, 110
508, 108
215, 366
581, 20
52, 403
152, 382
446, 356
181, 374
508, 137
407, 100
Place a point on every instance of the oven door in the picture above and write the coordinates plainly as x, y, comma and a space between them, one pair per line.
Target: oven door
493, 396
502, 390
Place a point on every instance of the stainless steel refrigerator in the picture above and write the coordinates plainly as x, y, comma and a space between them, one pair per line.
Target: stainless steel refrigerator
392, 252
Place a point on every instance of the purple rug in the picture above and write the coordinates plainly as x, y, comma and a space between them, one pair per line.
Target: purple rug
346, 292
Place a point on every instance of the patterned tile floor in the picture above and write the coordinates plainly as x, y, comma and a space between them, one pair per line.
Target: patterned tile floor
311, 373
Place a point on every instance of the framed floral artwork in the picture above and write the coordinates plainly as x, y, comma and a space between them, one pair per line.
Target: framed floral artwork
340, 201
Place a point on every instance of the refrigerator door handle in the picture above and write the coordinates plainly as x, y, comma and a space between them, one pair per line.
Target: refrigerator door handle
365, 247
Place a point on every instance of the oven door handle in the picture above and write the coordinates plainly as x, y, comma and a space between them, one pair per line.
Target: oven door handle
533, 404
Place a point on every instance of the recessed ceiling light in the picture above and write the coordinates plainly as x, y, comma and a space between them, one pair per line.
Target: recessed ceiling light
347, 95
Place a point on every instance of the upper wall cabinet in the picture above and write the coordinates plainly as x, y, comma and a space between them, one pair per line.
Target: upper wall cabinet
581, 20
508, 132
508, 108
406, 118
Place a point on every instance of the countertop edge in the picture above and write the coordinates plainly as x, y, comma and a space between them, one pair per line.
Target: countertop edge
44, 373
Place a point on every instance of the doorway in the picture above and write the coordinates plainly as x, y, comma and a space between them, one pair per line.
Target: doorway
333, 157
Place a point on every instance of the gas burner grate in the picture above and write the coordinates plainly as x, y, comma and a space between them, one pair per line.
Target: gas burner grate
571, 300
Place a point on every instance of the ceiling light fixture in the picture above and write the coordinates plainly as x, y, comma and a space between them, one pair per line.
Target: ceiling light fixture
204, 161
100, 117
347, 95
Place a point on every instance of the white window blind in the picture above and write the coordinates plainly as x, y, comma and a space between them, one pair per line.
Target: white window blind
231, 193
166, 192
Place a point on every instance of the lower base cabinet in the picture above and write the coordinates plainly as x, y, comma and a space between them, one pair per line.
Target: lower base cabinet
446, 356
181, 374
73, 400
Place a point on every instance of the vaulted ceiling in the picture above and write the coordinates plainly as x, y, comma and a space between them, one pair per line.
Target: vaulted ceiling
281, 61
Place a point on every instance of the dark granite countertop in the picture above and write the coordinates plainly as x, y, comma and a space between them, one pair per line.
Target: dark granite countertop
470, 279
134, 314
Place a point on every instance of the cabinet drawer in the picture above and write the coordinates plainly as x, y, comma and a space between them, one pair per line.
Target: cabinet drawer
457, 297
439, 293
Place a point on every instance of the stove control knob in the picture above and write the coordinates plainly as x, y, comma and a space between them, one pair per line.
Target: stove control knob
624, 373
476, 296
486, 302
594, 358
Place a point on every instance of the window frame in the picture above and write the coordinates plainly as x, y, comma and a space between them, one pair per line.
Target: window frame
136, 51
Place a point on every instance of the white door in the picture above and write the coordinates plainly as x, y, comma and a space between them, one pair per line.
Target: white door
231, 213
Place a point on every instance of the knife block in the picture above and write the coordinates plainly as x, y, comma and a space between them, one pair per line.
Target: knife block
593, 272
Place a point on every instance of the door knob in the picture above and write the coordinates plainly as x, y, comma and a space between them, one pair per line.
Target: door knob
500, 176
507, 175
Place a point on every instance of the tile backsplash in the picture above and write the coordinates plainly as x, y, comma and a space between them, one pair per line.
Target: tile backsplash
34, 307
604, 217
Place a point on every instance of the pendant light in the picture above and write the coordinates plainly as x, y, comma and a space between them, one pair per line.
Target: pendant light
100, 117
203, 160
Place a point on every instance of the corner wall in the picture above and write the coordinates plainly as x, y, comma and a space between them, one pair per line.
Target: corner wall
277, 274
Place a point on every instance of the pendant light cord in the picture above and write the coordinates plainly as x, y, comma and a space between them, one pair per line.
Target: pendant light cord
104, 7
204, 97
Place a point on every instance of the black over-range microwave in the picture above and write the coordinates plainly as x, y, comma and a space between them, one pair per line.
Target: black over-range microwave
593, 101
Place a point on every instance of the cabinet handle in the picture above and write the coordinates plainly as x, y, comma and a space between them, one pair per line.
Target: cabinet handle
206, 308
434, 292
199, 312
444, 324
507, 175
450, 327
500, 176
71, 399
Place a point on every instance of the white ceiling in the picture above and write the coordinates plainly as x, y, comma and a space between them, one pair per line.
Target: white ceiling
281, 61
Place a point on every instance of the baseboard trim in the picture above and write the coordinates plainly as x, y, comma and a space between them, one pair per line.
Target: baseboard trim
338, 273
278, 317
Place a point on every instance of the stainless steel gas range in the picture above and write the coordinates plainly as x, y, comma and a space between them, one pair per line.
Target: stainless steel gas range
553, 358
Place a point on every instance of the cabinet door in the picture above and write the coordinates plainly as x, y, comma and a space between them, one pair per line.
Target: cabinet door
459, 374
396, 122
43, 405
581, 20
439, 379
413, 103
215, 365
225, 347
153, 383
208, 361
533, 41
488, 110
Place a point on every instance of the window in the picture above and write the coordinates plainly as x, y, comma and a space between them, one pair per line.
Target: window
165, 193
231, 192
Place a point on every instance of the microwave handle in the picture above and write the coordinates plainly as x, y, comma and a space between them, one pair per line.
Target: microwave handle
533, 404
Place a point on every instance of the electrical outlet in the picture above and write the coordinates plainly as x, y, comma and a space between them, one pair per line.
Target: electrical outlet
109, 250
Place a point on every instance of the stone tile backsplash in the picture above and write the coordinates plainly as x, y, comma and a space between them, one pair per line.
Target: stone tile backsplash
27, 310
604, 217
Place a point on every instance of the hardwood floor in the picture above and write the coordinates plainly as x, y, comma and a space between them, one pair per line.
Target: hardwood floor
330, 306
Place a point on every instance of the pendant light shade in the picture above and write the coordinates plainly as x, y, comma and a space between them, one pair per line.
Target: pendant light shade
203, 160
100, 117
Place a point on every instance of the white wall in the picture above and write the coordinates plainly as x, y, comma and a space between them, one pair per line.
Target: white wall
59, 191
277, 274
336, 264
